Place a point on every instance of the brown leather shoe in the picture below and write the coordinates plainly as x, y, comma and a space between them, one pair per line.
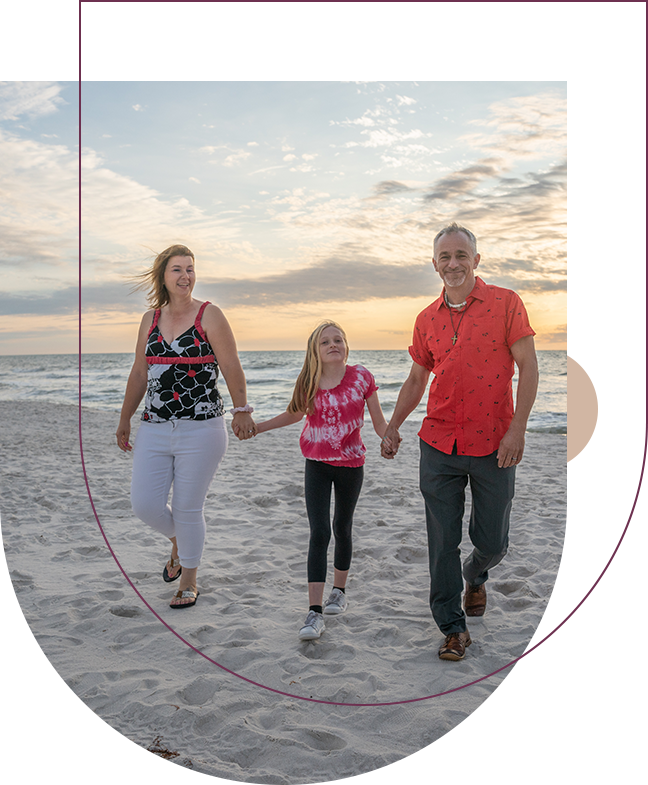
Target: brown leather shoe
454, 646
475, 599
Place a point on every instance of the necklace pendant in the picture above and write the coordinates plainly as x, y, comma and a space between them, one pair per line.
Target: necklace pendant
454, 339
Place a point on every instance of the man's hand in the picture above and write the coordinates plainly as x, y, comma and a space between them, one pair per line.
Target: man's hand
390, 442
511, 448
408, 399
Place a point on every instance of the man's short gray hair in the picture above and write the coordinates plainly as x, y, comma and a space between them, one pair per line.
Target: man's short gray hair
453, 228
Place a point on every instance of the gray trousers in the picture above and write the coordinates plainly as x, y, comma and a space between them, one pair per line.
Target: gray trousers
443, 480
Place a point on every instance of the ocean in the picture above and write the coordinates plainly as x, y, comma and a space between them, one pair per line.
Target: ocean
270, 376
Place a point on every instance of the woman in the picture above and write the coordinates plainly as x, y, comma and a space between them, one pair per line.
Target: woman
181, 345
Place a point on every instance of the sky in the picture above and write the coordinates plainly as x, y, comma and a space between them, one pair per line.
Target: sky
300, 200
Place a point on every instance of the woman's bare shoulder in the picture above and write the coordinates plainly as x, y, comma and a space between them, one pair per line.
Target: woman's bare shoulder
213, 315
147, 319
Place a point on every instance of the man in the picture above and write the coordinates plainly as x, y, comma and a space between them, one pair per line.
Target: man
470, 338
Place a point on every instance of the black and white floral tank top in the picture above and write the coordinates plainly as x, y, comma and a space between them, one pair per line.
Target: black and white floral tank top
181, 376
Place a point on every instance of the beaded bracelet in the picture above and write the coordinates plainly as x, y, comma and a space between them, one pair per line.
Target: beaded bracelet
246, 408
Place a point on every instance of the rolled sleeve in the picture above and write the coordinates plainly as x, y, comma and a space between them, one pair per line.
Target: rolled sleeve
419, 351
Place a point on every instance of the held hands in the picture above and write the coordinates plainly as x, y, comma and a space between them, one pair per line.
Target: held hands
244, 426
390, 442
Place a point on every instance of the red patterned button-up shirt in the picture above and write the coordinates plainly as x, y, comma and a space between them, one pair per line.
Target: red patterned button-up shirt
471, 397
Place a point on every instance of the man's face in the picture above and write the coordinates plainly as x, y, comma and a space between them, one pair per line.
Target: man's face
454, 260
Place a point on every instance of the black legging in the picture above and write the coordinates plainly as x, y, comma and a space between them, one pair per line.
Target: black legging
347, 482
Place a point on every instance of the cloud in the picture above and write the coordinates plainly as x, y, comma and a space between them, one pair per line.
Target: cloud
385, 137
236, 158
62, 301
29, 99
461, 182
121, 213
559, 335
138, 107
532, 126
38, 209
391, 187
404, 100
332, 280
534, 285
112, 296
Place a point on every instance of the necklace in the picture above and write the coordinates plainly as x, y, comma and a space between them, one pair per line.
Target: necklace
452, 305
455, 329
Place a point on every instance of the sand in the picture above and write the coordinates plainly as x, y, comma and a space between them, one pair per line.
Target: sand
153, 674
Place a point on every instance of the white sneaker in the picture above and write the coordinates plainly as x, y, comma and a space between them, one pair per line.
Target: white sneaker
313, 627
336, 603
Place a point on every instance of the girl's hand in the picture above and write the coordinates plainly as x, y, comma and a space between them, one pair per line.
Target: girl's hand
122, 434
244, 426
390, 442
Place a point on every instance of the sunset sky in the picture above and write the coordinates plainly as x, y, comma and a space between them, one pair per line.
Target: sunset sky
300, 200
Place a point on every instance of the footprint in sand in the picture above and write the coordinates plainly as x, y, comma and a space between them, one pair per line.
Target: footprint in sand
409, 555
509, 587
265, 501
292, 491
323, 740
200, 691
126, 612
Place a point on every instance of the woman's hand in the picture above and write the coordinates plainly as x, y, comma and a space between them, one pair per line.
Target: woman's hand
244, 426
122, 434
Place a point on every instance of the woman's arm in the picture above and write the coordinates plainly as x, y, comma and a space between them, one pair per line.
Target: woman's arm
376, 413
287, 418
220, 336
136, 385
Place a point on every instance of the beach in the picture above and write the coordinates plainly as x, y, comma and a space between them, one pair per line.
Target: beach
226, 686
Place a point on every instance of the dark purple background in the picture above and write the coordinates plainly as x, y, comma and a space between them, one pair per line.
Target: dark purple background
602, 625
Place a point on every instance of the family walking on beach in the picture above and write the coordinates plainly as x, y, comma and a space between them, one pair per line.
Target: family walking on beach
470, 338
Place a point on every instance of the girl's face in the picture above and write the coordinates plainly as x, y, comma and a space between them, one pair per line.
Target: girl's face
332, 347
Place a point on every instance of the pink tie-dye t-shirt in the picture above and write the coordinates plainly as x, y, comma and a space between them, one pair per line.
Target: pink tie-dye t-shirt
332, 431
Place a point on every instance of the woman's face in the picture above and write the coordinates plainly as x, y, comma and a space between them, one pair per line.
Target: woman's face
180, 276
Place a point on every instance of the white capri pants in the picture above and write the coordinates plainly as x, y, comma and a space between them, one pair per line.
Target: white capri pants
185, 453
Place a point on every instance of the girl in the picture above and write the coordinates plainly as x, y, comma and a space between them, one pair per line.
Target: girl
332, 395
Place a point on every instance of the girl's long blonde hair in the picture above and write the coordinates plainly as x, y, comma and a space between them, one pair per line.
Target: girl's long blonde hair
309, 378
153, 278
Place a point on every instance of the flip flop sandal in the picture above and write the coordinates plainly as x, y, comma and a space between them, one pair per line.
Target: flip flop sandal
165, 574
182, 595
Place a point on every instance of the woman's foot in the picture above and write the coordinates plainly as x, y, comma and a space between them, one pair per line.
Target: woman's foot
187, 593
185, 598
172, 570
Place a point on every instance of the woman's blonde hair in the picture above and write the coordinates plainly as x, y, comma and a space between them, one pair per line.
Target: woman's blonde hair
309, 378
153, 279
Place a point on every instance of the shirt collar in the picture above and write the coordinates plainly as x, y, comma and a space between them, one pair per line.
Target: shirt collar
478, 293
